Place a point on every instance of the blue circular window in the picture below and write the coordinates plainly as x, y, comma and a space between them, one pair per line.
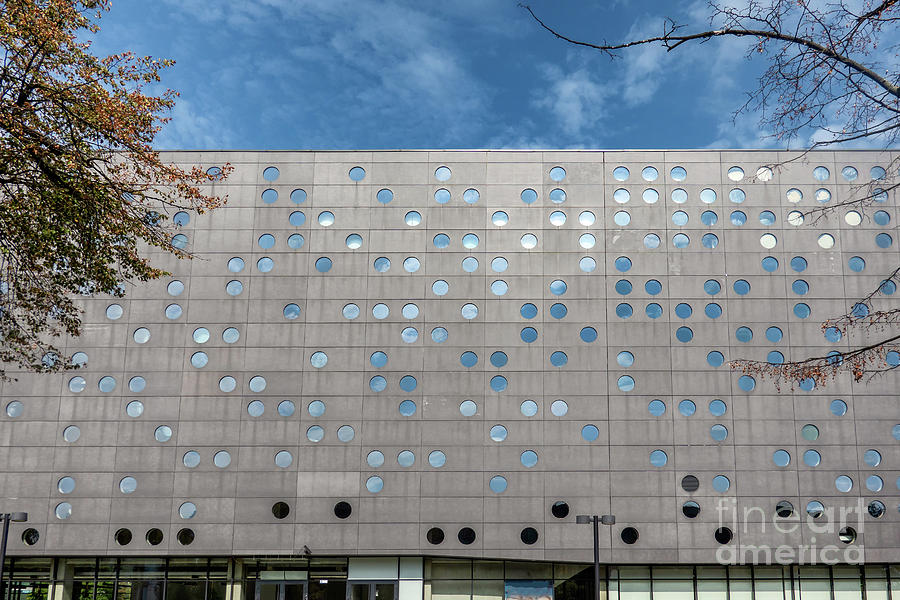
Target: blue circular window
623, 264
715, 359
775, 358
408, 383
528, 334
623, 287
802, 310
588, 334
498, 383
800, 287
743, 334
558, 359
558, 310
384, 195
558, 287
799, 264
774, 334
738, 218
657, 408
856, 263
712, 287
499, 359
683, 310
883, 240
769, 264
654, 310
528, 310
742, 287
713, 310
528, 195
687, 407
357, 174
378, 359
377, 383
625, 383
746, 383
323, 264
439, 335
624, 311
652, 287
684, 334
625, 359
658, 458
833, 334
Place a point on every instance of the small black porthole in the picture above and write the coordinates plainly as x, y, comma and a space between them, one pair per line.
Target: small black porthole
529, 535
342, 510
466, 536
435, 536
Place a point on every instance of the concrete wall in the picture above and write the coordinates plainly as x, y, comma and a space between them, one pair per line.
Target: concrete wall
610, 474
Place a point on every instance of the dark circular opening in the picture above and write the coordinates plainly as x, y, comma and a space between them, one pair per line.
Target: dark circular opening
847, 535
435, 535
30, 536
690, 509
185, 537
723, 535
629, 535
466, 535
560, 509
280, 510
123, 537
689, 483
154, 536
342, 510
529, 535
784, 509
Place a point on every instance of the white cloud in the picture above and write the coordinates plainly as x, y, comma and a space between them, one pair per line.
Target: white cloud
192, 129
385, 61
574, 99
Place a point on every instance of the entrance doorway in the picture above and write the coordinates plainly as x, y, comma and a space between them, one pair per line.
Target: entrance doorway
280, 590
374, 590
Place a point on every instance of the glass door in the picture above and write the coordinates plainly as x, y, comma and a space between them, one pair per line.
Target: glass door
280, 590
374, 590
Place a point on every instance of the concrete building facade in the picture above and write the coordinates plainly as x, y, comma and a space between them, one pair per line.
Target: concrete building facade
406, 372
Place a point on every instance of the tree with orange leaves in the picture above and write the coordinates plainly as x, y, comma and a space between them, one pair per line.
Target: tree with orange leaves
82, 192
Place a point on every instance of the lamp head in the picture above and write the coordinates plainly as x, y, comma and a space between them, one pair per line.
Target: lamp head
583, 519
608, 519
18, 517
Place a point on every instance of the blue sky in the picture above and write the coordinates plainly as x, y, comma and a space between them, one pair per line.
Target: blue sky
321, 74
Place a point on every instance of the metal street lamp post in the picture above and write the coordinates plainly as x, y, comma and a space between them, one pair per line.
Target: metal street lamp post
7, 517
596, 520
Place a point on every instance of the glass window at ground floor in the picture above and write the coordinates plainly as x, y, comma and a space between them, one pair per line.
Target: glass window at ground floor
326, 578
